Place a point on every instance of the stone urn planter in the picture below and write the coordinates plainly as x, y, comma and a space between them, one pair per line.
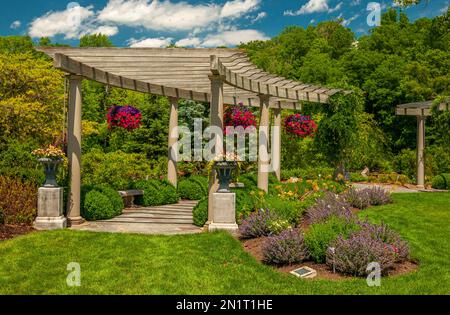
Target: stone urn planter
50, 169
224, 171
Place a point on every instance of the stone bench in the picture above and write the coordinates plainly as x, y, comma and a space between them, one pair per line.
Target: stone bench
129, 195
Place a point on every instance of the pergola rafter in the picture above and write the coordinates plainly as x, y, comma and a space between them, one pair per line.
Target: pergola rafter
214, 76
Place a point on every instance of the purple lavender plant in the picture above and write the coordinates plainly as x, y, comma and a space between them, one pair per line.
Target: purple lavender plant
330, 205
357, 198
257, 224
286, 248
392, 239
353, 255
378, 196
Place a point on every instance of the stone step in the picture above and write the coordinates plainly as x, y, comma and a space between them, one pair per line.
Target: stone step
155, 215
160, 209
149, 220
156, 212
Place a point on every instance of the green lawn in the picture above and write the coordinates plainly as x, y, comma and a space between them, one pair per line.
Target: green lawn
215, 263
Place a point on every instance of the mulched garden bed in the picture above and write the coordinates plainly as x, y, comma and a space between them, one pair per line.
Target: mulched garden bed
11, 231
254, 247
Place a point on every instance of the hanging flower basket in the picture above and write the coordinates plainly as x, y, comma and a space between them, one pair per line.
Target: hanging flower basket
51, 158
126, 117
240, 115
300, 125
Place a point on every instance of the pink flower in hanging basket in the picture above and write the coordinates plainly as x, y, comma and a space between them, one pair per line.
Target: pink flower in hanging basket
126, 117
300, 125
240, 115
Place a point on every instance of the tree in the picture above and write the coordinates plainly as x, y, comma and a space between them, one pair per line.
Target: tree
95, 40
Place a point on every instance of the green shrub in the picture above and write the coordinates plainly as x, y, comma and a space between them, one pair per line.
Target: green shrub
156, 193
97, 206
193, 188
114, 197
357, 177
321, 235
2, 218
200, 212
441, 181
291, 211
307, 173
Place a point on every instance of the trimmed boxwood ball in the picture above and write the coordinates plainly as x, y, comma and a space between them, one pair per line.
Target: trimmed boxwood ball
156, 193
200, 212
97, 206
114, 197
193, 188
441, 181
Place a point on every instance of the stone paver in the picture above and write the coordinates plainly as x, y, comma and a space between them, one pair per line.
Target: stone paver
167, 220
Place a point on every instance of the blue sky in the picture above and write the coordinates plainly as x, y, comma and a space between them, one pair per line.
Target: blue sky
195, 23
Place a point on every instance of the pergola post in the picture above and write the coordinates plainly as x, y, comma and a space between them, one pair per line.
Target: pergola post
420, 151
263, 156
276, 143
74, 150
173, 138
216, 120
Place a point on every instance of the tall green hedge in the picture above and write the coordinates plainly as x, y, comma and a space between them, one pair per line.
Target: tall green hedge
441, 181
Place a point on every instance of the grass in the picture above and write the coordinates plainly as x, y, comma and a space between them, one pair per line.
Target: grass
215, 263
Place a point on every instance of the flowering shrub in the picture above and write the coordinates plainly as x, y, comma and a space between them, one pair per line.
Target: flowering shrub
378, 196
353, 255
299, 125
126, 117
330, 205
235, 116
286, 248
18, 201
358, 198
319, 236
257, 224
51, 152
388, 236
278, 226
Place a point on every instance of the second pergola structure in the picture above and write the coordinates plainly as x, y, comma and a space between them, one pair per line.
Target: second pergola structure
216, 76
421, 110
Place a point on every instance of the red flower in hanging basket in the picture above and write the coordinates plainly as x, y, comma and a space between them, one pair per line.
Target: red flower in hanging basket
126, 117
240, 115
300, 125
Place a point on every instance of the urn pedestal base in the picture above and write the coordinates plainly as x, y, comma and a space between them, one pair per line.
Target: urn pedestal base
50, 209
224, 213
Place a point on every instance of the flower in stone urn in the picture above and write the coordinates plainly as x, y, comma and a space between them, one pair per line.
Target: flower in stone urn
224, 164
51, 157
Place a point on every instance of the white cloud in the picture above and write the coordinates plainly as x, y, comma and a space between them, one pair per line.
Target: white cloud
232, 38
68, 22
259, 16
106, 30
189, 42
314, 6
355, 2
150, 42
236, 8
15, 25
157, 15
349, 21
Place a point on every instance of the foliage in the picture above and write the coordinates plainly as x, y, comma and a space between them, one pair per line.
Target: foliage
31, 99
328, 206
97, 206
50, 152
307, 173
200, 212
278, 226
257, 224
18, 201
319, 236
116, 169
286, 248
95, 40
289, 210
441, 181
193, 188
156, 193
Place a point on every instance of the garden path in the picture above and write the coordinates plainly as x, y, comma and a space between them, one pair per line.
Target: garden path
168, 220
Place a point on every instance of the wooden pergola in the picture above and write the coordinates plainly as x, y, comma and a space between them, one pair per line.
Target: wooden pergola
216, 76
421, 110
